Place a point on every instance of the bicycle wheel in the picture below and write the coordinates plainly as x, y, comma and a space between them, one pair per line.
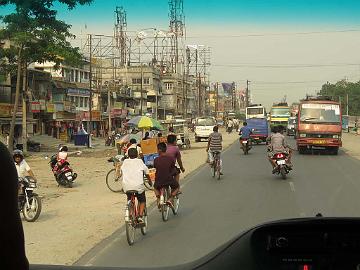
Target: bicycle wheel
130, 228
213, 167
165, 206
114, 183
146, 184
218, 168
176, 205
145, 218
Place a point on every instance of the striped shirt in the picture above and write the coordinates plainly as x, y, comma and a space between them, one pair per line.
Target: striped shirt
215, 141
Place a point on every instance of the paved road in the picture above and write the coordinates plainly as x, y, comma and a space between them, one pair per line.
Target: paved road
214, 211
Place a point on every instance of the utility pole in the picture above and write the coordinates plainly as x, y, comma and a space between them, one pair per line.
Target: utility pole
197, 81
347, 104
141, 89
24, 124
217, 97
90, 88
247, 93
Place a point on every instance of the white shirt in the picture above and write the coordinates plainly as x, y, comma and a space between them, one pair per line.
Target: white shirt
136, 147
133, 174
22, 168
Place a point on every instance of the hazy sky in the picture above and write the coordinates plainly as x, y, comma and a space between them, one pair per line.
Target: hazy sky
298, 44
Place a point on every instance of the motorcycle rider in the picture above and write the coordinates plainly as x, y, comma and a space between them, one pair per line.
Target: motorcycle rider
245, 133
278, 145
23, 169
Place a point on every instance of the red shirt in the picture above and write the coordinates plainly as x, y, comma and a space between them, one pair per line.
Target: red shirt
165, 170
173, 151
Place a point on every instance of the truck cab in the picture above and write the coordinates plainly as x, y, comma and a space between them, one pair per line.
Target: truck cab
319, 125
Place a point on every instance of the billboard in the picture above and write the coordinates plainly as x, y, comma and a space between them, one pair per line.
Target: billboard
228, 88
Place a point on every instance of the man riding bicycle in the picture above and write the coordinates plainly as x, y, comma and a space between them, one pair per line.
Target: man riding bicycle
165, 173
133, 170
215, 145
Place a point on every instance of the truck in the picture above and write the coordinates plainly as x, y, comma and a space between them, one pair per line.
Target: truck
260, 129
279, 114
319, 125
255, 111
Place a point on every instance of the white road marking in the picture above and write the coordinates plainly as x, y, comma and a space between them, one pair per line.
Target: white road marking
292, 186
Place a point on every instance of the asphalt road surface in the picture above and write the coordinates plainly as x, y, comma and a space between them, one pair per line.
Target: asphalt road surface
212, 211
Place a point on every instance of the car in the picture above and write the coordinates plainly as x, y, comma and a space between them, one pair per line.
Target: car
204, 127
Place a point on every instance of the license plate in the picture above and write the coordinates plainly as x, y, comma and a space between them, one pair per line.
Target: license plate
69, 177
245, 142
256, 138
280, 162
68, 173
319, 141
29, 188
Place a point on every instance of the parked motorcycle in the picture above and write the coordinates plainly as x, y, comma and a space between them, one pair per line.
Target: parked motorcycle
29, 202
245, 145
282, 165
62, 171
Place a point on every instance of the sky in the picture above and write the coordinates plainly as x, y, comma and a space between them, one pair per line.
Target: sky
283, 47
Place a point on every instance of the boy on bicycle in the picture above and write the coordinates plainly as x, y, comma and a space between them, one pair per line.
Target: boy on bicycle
133, 170
165, 173
214, 145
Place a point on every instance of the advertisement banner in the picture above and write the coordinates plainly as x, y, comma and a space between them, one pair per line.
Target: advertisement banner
42, 104
50, 108
228, 88
35, 106
5, 109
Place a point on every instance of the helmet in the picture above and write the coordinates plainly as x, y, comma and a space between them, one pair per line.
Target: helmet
63, 148
18, 153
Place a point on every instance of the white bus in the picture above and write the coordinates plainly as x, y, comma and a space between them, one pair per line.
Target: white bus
255, 111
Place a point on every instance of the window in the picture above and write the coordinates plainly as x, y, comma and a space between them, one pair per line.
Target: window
146, 80
86, 75
169, 86
136, 80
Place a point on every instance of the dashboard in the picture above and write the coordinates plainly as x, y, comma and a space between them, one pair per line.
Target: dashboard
293, 244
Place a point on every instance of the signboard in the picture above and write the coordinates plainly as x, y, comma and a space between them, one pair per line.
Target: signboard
96, 115
50, 108
115, 113
78, 92
35, 106
118, 105
5, 109
42, 104
85, 116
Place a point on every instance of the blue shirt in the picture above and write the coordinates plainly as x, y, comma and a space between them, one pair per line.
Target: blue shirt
245, 132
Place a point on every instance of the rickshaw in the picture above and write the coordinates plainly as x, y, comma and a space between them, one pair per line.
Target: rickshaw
182, 132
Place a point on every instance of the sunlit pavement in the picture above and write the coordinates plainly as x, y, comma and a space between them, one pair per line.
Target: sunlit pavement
213, 211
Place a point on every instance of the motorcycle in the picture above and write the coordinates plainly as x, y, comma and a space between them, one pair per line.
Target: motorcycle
28, 201
282, 165
229, 129
245, 145
63, 173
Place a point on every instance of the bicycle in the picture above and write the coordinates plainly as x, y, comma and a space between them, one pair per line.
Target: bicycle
165, 205
216, 166
131, 218
114, 177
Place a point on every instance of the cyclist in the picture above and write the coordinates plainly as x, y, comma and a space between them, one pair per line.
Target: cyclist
173, 151
214, 145
165, 173
133, 170
245, 133
133, 144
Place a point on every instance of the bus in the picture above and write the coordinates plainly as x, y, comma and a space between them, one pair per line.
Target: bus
279, 115
319, 125
255, 111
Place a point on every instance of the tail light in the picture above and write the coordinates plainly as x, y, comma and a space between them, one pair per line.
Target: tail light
281, 155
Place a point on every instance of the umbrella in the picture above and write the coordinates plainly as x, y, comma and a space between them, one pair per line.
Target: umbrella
144, 122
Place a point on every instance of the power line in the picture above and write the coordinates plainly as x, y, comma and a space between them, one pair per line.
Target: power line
276, 34
286, 66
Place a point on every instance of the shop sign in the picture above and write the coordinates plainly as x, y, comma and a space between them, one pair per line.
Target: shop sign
42, 105
116, 113
50, 108
96, 115
78, 92
5, 109
35, 106
118, 105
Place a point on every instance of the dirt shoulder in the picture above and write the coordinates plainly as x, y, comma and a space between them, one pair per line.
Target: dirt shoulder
351, 144
72, 221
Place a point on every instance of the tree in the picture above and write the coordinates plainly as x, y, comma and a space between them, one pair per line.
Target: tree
36, 35
344, 91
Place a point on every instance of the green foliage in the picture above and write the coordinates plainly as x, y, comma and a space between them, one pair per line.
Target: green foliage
34, 27
339, 91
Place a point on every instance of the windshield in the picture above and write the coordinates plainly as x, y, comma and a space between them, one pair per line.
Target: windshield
205, 122
115, 80
320, 113
255, 111
280, 112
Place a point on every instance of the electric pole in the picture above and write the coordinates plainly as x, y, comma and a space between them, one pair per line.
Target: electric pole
90, 88
247, 94
24, 116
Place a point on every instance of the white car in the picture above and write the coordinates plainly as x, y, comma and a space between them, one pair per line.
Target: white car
204, 127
